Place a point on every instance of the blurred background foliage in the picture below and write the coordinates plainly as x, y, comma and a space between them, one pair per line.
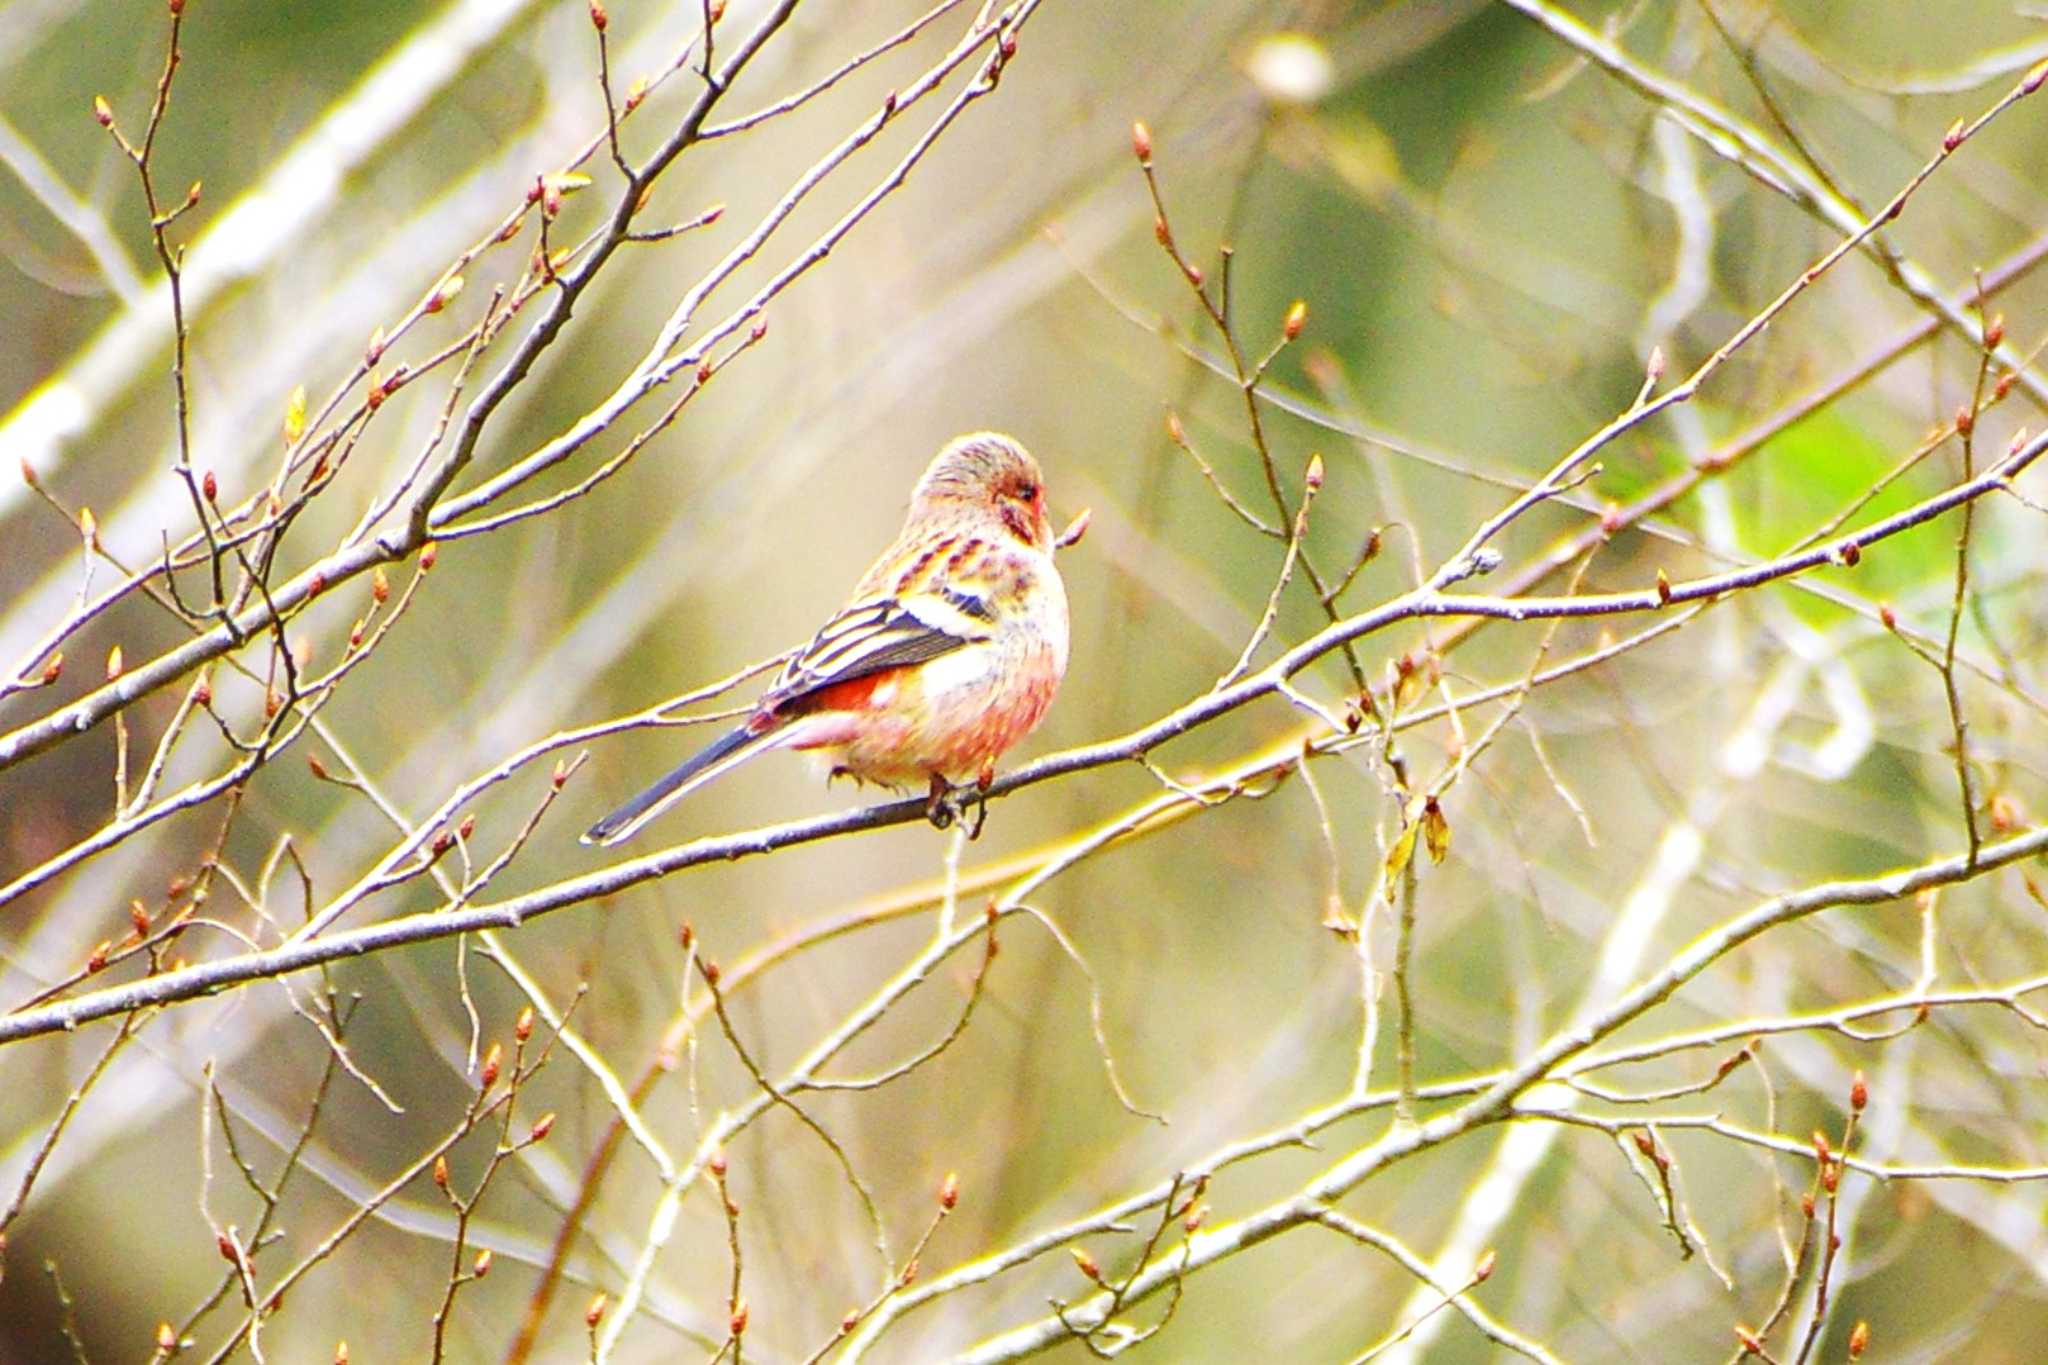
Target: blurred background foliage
1490, 233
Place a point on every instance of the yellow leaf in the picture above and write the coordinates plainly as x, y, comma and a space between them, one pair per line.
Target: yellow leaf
1401, 854
295, 416
1436, 831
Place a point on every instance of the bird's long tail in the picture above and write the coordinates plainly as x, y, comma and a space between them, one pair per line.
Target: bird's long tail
709, 762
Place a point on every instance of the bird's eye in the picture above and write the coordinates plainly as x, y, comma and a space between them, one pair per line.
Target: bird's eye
1027, 492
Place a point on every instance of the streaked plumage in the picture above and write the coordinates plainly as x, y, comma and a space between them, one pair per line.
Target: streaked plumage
948, 653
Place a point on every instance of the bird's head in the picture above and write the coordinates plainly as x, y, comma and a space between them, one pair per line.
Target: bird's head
988, 475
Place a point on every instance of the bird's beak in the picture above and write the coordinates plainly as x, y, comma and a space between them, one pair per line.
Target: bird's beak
1076, 528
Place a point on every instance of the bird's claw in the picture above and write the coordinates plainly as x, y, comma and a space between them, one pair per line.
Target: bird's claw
948, 803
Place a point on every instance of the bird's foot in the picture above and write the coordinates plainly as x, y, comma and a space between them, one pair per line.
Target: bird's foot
948, 803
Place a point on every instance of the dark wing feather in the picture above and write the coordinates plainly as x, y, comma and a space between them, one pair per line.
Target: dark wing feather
873, 637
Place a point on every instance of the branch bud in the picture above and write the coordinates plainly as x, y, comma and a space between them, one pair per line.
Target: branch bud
542, 1126
594, 1313
1859, 1092
949, 1191
522, 1027
102, 112
1296, 319
444, 293
598, 18
1141, 143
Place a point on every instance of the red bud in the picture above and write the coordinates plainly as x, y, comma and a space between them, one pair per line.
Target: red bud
1297, 318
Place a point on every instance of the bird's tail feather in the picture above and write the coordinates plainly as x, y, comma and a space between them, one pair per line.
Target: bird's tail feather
710, 761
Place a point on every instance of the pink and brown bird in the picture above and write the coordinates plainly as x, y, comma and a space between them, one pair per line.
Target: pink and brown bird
948, 653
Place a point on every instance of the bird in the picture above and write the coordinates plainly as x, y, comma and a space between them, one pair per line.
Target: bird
948, 653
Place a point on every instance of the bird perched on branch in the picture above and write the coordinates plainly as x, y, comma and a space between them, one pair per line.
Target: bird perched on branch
949, 652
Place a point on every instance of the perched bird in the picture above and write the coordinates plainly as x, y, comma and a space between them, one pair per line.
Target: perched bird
949, 652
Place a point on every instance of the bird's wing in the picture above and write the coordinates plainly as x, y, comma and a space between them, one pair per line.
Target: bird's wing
879, 634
